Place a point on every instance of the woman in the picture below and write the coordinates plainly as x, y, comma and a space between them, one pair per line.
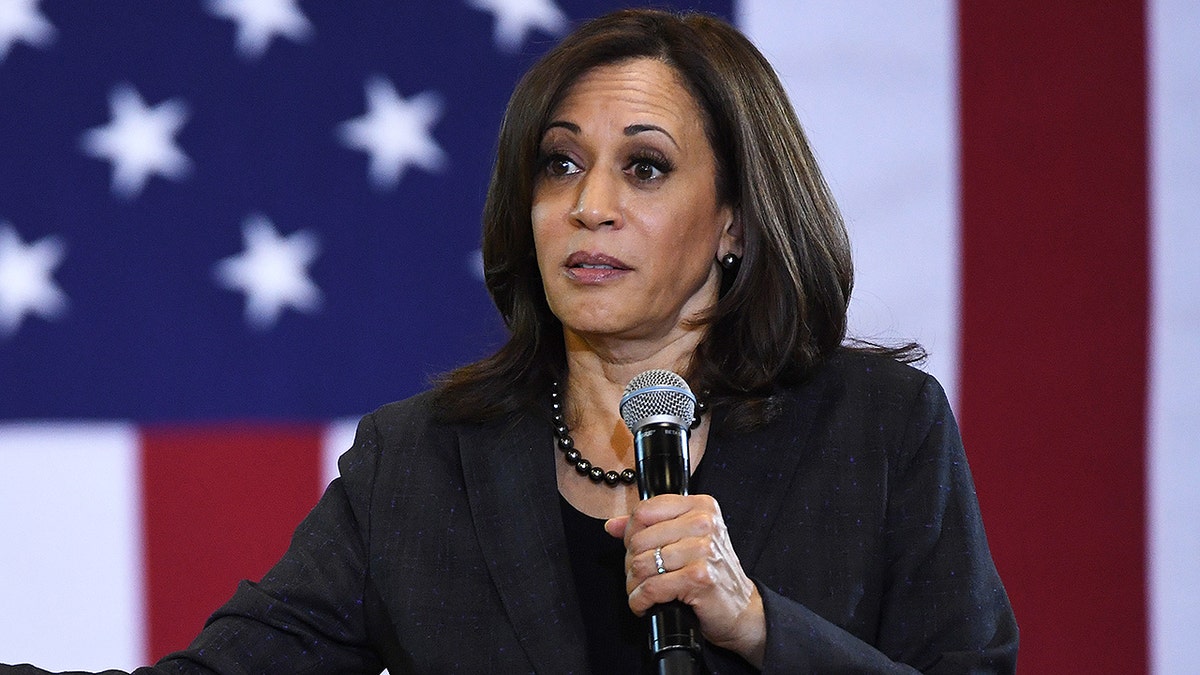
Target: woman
654, 205
649, 149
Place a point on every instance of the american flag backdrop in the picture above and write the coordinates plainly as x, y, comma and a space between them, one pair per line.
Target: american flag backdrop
230, 227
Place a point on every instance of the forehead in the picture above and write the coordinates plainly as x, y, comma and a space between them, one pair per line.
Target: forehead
642, 87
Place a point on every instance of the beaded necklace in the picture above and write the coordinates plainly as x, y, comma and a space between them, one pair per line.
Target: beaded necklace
572, 455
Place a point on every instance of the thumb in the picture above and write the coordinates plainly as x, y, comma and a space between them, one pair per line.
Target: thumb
616, 526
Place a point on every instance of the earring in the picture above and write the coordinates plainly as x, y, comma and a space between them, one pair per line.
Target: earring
730, 261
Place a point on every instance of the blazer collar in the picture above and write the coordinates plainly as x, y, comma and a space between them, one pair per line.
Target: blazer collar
509, 474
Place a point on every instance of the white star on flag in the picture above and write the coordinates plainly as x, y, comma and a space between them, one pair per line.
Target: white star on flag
139, 141
395, 132
21, 21
516, 18
26, 286
272, 272
260, 20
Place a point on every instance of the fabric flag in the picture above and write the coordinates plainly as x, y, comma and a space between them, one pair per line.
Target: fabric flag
228, 228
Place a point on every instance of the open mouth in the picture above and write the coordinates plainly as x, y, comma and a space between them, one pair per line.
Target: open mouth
594, 268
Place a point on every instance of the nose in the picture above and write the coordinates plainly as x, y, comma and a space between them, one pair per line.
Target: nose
597, 204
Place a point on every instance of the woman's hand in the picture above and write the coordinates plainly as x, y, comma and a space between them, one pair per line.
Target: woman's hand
702, 570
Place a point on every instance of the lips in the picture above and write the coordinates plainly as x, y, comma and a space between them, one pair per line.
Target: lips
590, 267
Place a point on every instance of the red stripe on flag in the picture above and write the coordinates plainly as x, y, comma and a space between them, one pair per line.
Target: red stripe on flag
1054, 322
220, 505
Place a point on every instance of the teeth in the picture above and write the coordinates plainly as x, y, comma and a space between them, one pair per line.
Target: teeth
596, 267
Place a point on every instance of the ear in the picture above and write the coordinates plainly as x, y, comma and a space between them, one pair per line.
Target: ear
731, 235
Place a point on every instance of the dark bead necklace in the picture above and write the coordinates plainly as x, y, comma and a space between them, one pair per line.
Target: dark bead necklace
570, 453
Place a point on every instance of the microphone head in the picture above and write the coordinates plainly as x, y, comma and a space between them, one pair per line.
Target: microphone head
657, 396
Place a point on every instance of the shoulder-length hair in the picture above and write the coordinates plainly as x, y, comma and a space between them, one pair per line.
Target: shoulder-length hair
778, 316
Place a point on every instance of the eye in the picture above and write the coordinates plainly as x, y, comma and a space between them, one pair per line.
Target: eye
646, 168
560, 165
645, 171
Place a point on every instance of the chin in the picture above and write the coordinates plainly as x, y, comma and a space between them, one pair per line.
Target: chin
593, 314
593, 329
629, 329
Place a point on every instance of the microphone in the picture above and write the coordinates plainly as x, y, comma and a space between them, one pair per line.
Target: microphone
659, 407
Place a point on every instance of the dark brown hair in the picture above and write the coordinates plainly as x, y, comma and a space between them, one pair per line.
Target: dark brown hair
778, 317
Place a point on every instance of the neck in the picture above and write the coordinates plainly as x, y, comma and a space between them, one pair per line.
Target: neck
598, 368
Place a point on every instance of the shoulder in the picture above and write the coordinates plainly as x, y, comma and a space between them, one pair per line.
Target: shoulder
391, 431
423, 415
412, 413
870, 379
418, 426
871, 399
874, 370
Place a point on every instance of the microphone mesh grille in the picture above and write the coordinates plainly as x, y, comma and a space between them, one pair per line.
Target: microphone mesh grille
657, 392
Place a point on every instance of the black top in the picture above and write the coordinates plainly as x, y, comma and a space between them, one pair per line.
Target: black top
617, 639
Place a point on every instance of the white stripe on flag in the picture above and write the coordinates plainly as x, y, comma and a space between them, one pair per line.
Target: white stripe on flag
71, 596
875, 86
1174, 462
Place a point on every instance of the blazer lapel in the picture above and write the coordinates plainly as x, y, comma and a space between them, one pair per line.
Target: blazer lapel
510, 479
749, 475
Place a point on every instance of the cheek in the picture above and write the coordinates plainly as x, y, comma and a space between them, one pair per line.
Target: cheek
684, 262
695, 252
700, 238
538, 219
537, 215
547, 201
548, 251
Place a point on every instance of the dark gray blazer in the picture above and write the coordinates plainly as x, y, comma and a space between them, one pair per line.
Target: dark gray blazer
441, 547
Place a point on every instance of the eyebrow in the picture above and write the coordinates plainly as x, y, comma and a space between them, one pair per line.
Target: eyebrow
569, 126
631, 130
634, 129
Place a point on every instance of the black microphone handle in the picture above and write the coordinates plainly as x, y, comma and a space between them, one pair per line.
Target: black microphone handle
663, 467
677, 662
661, 452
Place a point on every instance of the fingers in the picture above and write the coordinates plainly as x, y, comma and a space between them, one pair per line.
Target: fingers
656, 523
689, 536
651, 511
699, 567
668, 507
692, 569
675, 557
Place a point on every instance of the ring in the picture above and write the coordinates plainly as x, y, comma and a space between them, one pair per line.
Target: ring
658, 561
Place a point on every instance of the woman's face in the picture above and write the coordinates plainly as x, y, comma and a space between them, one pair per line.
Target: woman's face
626, 219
